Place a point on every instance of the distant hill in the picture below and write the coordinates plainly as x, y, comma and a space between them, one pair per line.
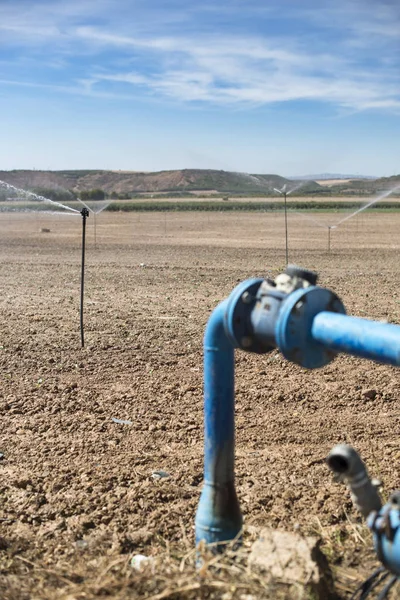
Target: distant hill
366, 186
190, 182
133, 182
322, 176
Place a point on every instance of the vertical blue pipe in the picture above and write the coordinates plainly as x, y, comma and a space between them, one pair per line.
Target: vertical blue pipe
218, 517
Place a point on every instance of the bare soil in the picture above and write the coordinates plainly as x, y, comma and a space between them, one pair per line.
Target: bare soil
77, 497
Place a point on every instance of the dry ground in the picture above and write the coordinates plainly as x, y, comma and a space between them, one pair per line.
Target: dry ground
76, 494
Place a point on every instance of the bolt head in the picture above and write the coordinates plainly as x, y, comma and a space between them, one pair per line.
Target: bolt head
247, 297
246, 341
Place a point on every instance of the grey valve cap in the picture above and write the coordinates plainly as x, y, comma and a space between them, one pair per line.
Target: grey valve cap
295, 271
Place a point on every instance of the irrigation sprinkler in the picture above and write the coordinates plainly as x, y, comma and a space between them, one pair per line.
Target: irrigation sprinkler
381, 196
23, 194
384, 522
284, 193
309, 326
95, 209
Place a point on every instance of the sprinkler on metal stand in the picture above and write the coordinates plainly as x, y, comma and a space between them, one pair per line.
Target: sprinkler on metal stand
309, 326
284, 193
384, 522
85, 215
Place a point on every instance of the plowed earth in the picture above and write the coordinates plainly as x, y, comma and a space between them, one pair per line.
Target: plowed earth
77, 497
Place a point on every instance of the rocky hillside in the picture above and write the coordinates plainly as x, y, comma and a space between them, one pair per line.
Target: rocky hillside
186, 181
131, 182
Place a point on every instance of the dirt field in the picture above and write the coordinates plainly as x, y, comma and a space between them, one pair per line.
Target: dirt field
77, 498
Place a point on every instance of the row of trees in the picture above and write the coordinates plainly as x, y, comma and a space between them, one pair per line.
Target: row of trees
98, 194
95, 194
61, 194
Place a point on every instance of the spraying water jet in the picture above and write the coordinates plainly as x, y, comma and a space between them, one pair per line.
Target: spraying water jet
285, 192
84, 213
95, 208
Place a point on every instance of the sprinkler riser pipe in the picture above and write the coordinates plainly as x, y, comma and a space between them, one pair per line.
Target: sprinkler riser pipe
218, 516
286, 233
346, 463
85, 214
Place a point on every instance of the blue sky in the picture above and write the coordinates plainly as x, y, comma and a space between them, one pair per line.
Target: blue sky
284, 86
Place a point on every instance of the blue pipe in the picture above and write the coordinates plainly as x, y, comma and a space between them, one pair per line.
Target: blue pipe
360, 337
308, 325
218, 517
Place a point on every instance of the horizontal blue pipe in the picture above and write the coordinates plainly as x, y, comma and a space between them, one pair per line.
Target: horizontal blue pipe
218, 515
359, 337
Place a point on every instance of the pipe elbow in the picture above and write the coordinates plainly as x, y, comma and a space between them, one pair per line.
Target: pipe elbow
345, 462
215, 338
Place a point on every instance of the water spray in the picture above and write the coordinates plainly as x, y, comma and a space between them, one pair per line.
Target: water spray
84, 213
347, 217
369, 204
309, 326
384, 522
100, 207
285, 192
36, 197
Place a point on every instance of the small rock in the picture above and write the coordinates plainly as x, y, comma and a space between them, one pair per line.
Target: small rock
292, 559
139, 562
121, 421
160, 475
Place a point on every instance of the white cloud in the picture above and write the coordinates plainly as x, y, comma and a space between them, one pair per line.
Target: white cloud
359, 71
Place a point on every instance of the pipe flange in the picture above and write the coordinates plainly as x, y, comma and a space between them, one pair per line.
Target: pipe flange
237, 319
293, 327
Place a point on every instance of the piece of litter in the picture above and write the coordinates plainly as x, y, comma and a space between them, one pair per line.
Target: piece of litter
1, 456
140, 562
121, 421
160, 475
81, 544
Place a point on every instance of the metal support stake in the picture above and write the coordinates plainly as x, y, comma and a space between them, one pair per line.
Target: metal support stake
286, 232
85, 214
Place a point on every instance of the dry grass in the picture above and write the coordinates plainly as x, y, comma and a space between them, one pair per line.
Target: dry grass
99, 571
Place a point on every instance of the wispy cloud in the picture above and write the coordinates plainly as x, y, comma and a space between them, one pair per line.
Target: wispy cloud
346, 57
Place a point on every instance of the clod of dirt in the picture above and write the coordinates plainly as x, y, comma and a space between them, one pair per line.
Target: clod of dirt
291, 559
369, 394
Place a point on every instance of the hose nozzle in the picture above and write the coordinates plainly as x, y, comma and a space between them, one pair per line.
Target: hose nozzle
345, 462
